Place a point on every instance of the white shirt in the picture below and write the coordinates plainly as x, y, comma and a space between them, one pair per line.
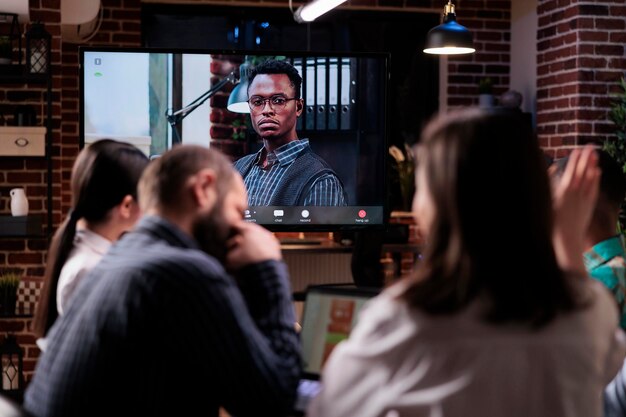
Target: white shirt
401, 362
89, 247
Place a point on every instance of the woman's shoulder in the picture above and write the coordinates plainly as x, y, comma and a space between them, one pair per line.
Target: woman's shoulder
597, 304
385, 315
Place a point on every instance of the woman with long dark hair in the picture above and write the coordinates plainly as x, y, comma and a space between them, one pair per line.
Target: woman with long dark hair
104, 206
499, 317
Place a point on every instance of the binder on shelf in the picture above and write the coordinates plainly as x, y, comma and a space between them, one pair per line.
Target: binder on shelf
309, 109
297, 64
347, 95
333, 94
320, 96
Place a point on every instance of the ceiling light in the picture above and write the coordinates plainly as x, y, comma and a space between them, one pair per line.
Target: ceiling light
449, 38
311, 11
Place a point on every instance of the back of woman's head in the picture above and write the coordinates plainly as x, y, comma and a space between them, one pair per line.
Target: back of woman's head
103, 174
491, 231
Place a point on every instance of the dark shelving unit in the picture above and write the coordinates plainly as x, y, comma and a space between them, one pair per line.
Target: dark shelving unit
32, 226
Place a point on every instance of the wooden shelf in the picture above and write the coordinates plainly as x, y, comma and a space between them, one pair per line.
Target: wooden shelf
16, 74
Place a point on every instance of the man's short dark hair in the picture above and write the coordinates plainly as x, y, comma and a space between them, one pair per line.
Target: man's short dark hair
273, 66
612, 182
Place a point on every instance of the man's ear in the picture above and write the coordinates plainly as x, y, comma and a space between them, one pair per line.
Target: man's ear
203, 188
299, 106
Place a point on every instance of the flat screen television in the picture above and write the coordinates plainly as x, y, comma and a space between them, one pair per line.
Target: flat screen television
128, 94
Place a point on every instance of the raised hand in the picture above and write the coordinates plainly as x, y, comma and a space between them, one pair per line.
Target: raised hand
575, 195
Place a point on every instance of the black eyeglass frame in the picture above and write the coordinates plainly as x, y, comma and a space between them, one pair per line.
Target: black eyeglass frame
268, 100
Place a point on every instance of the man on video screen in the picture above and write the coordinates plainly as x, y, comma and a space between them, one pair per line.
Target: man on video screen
285, 171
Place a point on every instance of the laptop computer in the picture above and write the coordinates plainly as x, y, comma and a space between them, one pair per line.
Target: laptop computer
329, 314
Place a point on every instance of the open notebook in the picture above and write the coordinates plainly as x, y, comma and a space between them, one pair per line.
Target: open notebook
330, 312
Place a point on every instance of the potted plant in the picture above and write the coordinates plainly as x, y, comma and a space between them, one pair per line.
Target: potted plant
6, 50
404, 167
239, 130
616, 146
485, 92
9, 282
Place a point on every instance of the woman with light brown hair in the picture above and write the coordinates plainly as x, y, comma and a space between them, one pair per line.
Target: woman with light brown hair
499, 317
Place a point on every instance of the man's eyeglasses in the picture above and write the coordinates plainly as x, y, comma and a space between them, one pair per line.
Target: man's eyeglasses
277, 103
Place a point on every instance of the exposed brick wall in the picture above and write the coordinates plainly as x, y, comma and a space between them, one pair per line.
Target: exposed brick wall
581, 56
490, 23
222, 129
30, 173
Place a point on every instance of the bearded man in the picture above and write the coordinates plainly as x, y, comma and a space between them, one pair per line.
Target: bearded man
194, 293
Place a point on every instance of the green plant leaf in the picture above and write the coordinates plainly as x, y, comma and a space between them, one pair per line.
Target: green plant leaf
616, 146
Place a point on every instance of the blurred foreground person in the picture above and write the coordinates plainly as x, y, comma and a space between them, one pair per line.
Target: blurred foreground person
605, 254
499, 318
188, 313
104, 206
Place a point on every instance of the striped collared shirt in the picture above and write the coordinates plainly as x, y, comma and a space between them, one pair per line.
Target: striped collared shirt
262, 182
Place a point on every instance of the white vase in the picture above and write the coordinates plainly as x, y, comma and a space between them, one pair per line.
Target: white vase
19, 202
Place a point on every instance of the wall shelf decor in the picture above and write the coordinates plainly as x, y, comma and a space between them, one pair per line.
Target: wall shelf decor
28, 134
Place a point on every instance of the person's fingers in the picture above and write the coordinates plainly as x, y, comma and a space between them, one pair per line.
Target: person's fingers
570, 168
585, 163
588, 170
582, 167
234, 241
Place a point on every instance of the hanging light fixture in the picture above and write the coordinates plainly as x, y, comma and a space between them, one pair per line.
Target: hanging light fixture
311, 11
449, 38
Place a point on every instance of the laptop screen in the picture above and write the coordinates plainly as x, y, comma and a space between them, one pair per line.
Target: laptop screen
330, 313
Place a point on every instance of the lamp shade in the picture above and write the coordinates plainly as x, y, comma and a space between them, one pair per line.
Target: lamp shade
238, 99
449, 38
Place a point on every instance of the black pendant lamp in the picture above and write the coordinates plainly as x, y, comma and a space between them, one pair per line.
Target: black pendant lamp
449, 38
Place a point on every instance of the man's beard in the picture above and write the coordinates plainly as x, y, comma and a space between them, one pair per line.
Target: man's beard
212, 232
